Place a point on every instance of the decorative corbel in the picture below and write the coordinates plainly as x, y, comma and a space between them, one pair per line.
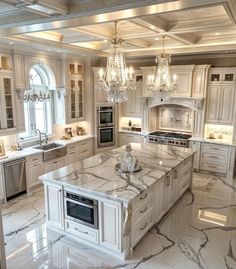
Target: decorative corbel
61, 92
20, 93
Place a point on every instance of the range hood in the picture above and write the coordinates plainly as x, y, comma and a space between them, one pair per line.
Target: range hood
194, 103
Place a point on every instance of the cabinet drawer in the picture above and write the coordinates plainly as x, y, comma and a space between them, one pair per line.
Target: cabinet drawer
142, 228
215, 149
143, 198
218, 168
143, 211
72, 147
213, 158
82, 231
35, 159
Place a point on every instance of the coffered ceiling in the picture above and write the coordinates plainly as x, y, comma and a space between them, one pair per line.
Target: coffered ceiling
84, 26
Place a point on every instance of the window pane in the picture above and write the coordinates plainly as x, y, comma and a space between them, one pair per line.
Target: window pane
40, 116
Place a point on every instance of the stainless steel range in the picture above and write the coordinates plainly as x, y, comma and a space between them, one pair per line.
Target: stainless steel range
169, 138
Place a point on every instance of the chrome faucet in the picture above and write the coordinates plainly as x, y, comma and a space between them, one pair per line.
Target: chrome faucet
40, 136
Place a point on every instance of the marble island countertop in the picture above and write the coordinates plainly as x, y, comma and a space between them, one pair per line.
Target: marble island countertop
97, 175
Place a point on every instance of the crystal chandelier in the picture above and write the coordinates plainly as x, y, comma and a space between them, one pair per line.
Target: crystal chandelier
116, 79
162, 82
40, 95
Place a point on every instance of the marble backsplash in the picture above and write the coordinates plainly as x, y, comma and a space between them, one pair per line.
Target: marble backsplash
175, 117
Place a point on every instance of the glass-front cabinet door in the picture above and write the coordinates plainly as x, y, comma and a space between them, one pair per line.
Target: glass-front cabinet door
76, 99
7, 115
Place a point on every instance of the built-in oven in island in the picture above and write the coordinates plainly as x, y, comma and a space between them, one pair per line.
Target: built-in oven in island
81, 209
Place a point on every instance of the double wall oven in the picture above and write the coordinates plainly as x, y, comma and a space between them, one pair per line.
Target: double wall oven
81, 209
105, 126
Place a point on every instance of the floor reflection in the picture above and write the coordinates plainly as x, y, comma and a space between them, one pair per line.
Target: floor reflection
199, 232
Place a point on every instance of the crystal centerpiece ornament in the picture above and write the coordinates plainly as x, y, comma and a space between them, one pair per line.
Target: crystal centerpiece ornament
128, 162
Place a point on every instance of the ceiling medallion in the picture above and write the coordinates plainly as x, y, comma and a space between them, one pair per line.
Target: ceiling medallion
162, 82
116, 79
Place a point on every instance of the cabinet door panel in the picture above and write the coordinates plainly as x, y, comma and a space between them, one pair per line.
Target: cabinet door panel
54, 205
110, 224
213, 103
227, 101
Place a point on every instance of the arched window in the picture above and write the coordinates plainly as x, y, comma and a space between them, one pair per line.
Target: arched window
39, 114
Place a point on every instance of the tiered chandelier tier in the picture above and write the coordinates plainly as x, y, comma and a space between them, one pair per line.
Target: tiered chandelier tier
162, 82
116, 79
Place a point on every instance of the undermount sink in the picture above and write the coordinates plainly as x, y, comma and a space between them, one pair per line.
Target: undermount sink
52, 151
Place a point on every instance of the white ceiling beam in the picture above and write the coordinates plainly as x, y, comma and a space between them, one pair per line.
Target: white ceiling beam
114, 13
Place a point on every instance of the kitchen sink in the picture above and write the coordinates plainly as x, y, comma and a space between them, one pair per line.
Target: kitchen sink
52, 151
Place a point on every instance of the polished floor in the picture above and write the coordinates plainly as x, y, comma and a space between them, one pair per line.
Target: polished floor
199, 232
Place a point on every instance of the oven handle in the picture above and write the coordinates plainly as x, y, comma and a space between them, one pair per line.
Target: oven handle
79, 203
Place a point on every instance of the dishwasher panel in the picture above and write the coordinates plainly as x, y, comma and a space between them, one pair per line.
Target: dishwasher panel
15, 178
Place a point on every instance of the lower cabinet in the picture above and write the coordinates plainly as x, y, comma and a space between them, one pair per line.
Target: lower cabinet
2, 192
53, 165
54, 205
110, 224
34, 169
79, 151
126, 138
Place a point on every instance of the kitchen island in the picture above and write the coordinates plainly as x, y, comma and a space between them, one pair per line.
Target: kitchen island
93, 202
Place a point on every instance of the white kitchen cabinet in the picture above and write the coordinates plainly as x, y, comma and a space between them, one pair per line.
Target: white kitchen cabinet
79, 151
7, 104
75, 98
54, 205
34, 169
54, 165
214, 158
110, 228
220, 103
5, 63
132, 107
196, 145
143, 215
2, 191
184, 80
184, 176
126, 138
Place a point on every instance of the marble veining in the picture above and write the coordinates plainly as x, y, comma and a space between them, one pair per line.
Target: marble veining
97, 174
183, 239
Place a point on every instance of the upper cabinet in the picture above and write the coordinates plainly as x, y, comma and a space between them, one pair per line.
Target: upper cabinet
220, 97
5, 62
132, 108
75, 92
7, 96
7, 104
184, 75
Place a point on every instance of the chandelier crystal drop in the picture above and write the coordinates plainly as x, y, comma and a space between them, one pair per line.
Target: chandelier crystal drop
162, 82
116, 79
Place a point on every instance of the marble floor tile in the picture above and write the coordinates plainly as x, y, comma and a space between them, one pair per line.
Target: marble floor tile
199, 232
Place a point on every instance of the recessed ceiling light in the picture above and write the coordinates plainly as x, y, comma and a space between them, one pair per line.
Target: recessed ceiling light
217, 33
11, 43
48, 49
105, 40
58, 51
156, 38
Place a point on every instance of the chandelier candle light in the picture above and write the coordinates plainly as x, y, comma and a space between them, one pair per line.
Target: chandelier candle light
116, 79
162, 82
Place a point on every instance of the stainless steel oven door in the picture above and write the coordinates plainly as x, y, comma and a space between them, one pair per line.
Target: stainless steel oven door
82, 213
105, 116
106, 137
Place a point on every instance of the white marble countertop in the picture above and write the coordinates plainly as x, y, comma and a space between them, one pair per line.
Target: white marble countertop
213, 141
132, 132
13, 155
97, 175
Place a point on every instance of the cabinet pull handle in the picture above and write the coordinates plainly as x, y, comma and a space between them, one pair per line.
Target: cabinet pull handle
81, 231
167, 182
144, 210
142, 198
216, 157
145, 225
216, 148
213, 166
84, 151
176, 174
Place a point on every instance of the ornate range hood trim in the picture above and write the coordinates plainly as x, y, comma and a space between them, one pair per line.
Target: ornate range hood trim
194, 103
